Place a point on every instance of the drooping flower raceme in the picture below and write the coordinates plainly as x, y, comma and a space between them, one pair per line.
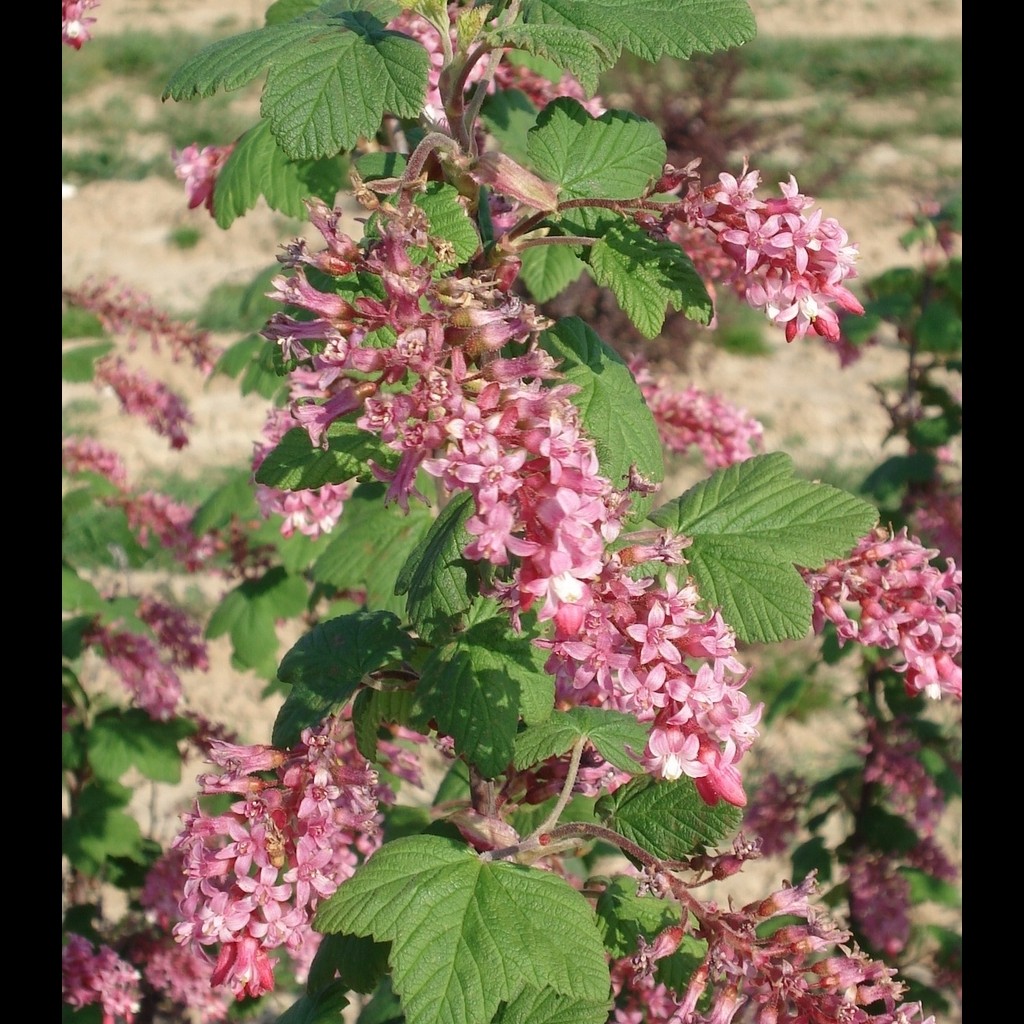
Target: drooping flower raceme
256, 873
787, 263
905, 604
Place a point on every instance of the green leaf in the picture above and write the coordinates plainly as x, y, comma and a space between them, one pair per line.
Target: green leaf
259, 167
77, 594
99, 829
668, 818
477, 686
467, 934
549, 269
78, 364
233, 499
332, 75
120, 740
249, 614
509, 115
439, 581
751, 525
359, 961
449, 222
615, 156
576, 51
296, 465
327, 665
612, 407
647, 276
624, 916
656, 28
370, 545
813, 855
925, 887
617, 737
939, 328
535, 1007
321, 1007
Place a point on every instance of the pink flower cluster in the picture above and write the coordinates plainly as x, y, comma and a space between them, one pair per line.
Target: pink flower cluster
803, 970
125, 310
140, 395
86, 455
148, 666
904, 604
198, 169
311, 511
479, 422
150, 514
790, 264
486, 424
774, 813
74, 25
102, 977
690, 418
647, 650
255, 874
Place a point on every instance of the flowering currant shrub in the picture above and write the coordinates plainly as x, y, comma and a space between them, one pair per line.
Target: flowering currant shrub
461, 498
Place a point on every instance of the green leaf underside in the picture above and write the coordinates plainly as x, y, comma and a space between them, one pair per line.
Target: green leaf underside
653, 29
468, 934
647, 276
435, 576
617, 737
611, 404
370, 545
259, 167
374, 707
327, 665
751, 525
332, 75
477, 687
668, 818
509, 115
615, 156
296, 465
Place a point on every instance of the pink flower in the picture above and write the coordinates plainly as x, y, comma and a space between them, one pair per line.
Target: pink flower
74, 26
101, 977
198, 169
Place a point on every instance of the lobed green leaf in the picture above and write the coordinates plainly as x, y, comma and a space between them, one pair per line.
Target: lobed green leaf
751, 525
467, 934
668, 818
329, 662
615, 156
653, 29
617, 737
647, 276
